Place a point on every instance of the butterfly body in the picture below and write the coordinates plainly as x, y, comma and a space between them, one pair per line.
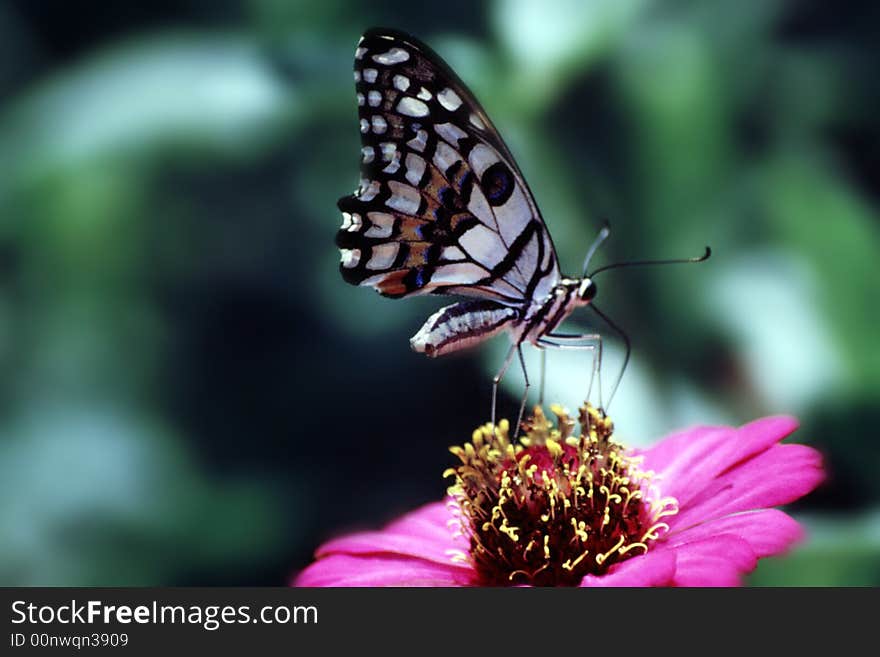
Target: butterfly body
467, 323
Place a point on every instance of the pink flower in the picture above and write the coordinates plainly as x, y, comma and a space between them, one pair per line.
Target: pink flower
694, 510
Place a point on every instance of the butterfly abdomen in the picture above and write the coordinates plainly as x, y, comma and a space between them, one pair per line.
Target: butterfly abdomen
462, 325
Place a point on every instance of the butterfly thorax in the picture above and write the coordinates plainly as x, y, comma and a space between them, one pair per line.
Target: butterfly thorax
542, 316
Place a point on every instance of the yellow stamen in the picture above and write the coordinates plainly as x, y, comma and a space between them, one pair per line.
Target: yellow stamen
602, 558
552, 506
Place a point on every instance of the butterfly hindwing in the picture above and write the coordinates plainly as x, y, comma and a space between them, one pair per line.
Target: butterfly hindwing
441, 207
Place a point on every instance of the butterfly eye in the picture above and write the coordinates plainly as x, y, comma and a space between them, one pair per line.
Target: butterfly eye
587, 290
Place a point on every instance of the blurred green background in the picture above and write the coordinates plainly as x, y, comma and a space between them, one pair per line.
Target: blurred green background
189, 393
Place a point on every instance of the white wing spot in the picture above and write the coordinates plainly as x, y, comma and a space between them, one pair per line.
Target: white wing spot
477, 121
360, 98
368, 154
364, 125
452, 253
401, 82
359, 53
393, 56
349, 257
355, 223
383, 224
389, 148
357, 76
379, 125
370, 74
383, 256
424, 94
449, 99
450, 132
374, 98
418, 142
404, 198
415, 168
394, 164
412, 107
445, 156
369, 192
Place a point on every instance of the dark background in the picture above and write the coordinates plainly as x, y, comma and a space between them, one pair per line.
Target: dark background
189, 393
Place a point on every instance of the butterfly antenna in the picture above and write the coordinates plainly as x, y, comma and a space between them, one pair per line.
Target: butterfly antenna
601, 237
639, 263
626, 342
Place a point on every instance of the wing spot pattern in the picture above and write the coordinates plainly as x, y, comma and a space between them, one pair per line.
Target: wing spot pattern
389, 148
350, 257
383, 256
445, 156
449, 99
404, 198
450, 132
415, 168
379, 124
393, 56
412, 107
419, 142
382, 225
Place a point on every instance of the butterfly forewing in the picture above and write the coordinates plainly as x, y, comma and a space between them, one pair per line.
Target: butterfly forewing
441, 207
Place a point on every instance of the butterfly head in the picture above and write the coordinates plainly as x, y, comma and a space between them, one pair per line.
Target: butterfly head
586, 290
577, 291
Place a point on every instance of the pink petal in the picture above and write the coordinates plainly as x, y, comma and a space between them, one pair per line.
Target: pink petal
780, 475
656, 568
421, 533
381, 570
433, 516
712, 561
767, 532
686, 462
435, 521
386, 542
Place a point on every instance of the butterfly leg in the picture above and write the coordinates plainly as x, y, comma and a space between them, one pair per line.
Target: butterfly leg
585, 342
495, 381
525, 396
543, 376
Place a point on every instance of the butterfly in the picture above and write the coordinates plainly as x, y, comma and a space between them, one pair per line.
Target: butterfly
443, 208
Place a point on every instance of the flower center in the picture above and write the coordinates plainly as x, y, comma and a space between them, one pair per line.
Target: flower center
552, 508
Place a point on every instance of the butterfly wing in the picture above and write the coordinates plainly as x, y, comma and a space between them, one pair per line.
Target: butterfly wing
442, 207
